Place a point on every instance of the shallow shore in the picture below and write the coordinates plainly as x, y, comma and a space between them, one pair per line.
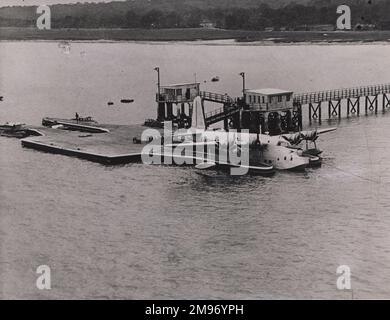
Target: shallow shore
240, 36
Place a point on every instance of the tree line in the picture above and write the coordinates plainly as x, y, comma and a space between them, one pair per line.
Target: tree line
258, 18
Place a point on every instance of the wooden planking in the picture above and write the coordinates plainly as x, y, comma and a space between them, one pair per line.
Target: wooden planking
339, 94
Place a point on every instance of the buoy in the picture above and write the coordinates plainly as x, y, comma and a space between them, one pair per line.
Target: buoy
127, 100
110, 103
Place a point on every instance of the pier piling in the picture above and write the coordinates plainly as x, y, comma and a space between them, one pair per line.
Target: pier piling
353, 106
385, 102
334, 109
315, 112
372, 104
353, 96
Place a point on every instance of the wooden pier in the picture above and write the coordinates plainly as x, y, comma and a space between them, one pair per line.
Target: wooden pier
338, 103
371, 98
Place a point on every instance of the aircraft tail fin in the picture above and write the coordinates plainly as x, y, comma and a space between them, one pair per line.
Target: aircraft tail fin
198, 118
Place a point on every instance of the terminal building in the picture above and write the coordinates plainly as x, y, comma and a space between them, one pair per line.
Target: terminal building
267, 110
269, 100
175, 102
259, 110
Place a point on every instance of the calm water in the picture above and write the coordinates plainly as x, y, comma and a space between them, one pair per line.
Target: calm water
154, 232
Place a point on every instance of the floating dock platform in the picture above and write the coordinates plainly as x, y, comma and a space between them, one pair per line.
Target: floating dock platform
114, 145
110, 148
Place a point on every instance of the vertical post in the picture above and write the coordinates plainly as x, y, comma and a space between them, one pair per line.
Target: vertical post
319, 113
160, 105
158, 81
300, 117
310, 106
348, 103
240, 121
376, 104
339, 109
329, 111
169, 111
183, 110
242, 74
366, 107
358, 107
384, 103
225, 120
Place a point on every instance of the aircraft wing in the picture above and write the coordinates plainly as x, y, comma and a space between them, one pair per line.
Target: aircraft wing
190, 144
320, 131
326, 130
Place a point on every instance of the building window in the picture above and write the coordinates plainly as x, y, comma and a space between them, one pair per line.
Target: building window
188, 94
280, 98
289, 97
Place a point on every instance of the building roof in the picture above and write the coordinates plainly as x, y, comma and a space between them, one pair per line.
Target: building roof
268, 91
176, 85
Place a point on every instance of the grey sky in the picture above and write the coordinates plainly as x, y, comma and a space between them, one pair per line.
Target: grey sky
4, 3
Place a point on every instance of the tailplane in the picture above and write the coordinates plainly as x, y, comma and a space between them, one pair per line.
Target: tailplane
198, 119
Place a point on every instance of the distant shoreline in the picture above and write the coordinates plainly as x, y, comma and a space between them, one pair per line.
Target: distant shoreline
240, 36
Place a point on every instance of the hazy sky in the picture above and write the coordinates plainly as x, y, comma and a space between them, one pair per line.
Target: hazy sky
4, 3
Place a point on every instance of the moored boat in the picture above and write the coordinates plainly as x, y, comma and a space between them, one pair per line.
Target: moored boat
50, 122
16, 130
11, 126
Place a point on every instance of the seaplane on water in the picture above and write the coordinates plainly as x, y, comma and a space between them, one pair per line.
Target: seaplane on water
220, 148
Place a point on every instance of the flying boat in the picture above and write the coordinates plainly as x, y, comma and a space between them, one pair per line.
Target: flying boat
213, 148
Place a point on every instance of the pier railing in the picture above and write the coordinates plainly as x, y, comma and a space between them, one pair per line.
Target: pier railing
208, 96
215, 97
339, 94
169, 98
220, 114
